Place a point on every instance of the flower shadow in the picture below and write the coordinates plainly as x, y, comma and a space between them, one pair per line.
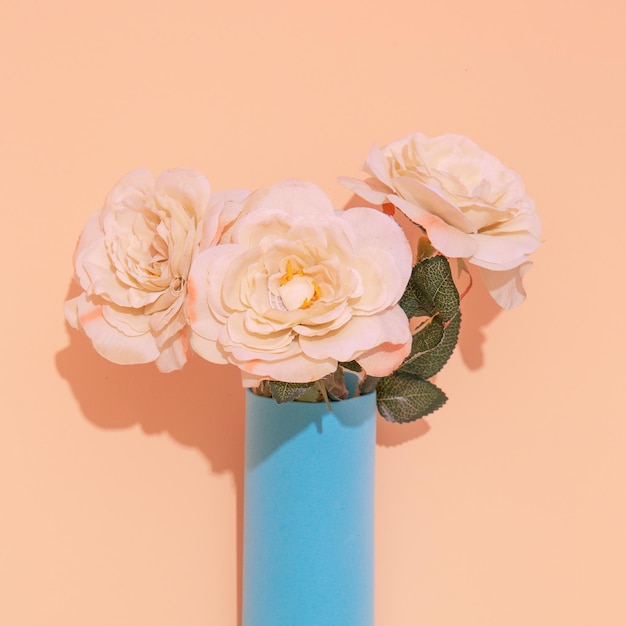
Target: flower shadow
200, 407
478, 310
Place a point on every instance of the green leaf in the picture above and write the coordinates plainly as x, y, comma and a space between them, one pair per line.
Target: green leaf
410, 299
312, 394
286, 392
428, 338
432, 347
405, 398
431, 290
431, 293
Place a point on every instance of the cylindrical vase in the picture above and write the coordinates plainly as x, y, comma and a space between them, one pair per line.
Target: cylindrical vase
309, 513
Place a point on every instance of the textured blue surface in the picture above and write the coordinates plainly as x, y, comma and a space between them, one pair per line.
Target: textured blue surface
309, 513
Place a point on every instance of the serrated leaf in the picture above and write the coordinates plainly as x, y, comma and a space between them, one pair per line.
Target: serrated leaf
427, 338
312, 394
409, 302
432, 348
435, 277
431, 290
405, 398
286, 392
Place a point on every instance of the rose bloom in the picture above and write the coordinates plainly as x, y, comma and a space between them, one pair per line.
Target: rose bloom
133, 260
300, 287
467, 202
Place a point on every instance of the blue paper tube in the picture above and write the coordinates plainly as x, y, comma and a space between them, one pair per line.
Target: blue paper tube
309, 513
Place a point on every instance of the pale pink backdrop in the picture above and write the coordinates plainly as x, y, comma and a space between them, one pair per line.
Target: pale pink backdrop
121, 488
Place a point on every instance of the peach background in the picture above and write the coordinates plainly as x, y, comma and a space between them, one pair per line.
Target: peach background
120, 487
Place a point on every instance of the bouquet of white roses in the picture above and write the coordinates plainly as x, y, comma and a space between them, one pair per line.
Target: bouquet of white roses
294, 292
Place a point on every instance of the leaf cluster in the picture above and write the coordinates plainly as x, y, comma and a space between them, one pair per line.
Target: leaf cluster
331, 387
432, 298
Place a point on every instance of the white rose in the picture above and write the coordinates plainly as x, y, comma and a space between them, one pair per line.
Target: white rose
133, 260
469, 204
302, 287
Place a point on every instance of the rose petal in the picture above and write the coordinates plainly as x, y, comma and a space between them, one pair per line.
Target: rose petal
506, 286
112, 343
503, 252
294, 369
207, 349
130, 322
174, 354
375, 232
370, 191
190, 189
222, 210
376, 164
205, 310
241, 339
432, 200
447, 239
296, 197
360, 335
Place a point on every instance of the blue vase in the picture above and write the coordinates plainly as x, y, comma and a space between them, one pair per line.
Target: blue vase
309, 513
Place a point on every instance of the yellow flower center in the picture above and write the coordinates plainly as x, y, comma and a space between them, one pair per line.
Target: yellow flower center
314, 298
296, 290
290, 273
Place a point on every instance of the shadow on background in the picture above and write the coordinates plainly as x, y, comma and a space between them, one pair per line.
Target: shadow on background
203, 405
200, 406
479, 310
